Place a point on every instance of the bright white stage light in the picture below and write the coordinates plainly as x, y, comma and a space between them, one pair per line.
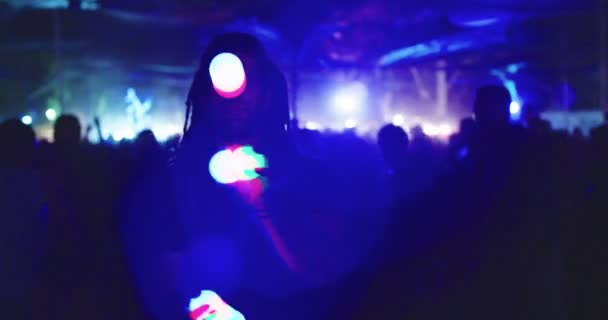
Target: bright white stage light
515, 107
166, 131
350, 124
429, 129
51, 114
441, 130
444, 129
123, 133
27, 120
311, 125
350, 99
398, 120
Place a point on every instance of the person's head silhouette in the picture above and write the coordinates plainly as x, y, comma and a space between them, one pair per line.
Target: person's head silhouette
491, 107
67, 131
146, 141
467, 127
393, 142
17, 142
257, 114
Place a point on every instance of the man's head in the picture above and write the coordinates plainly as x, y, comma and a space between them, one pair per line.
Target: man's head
258, 114
67, 131
393, 142
17, 142
467, 126
491, 107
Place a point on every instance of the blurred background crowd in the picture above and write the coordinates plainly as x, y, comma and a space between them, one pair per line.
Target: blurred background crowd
446, 159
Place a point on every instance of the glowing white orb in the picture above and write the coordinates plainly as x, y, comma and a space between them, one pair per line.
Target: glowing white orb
51, 114
227, 75
229, 166
350, 99
27, 120
515, 107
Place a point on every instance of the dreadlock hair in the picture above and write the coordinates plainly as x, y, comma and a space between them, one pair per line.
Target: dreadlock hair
199, 124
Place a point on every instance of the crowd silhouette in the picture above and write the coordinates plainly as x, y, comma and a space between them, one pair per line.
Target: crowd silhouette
504, 221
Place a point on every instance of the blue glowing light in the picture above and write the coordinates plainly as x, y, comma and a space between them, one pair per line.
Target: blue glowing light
350, 124
238, 164
480, 22
423, 50
515, 67
414, 51
208, 305
227, 75
136, 109
27, 120
515, 108
511, 86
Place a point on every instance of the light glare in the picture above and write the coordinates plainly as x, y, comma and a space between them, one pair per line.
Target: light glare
227, 75
123, 133
515, 108
27, 120
398, 120
229, 166
311, 125
350, 99
432, 130
350, 124
51, 114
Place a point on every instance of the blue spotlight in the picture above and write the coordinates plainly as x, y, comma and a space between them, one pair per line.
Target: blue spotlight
515, 110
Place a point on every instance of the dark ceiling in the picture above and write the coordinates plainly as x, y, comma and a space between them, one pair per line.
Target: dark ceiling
166, 36
338, 32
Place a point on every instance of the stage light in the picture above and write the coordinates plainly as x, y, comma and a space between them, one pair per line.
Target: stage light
398, 120
311, 125
350, 99
27, 120
227, 75
51, 114
165, 131
238, 164
429, 129
123, 133
440, 130
350, 124
444, 129
208, 305
514, 108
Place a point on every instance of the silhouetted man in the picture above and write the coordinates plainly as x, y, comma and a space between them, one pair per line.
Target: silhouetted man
22, 236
